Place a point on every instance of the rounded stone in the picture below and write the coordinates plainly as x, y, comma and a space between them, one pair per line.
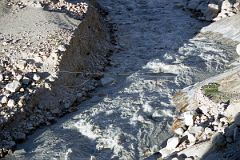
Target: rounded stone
11, 103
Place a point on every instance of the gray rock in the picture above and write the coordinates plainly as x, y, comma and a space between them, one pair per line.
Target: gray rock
4, 100
238, 49
107, 80
21, 64
13, 86
19, 77
36, 77
188, 118
165, 152
192, 139
196, 130
179, 131
11, 103
62, 48
25, 80
172, 143
1, 77
212, 11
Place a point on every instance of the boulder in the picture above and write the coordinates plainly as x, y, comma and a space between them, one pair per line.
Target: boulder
172, 143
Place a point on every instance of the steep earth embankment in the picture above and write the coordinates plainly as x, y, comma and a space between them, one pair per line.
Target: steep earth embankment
48, 64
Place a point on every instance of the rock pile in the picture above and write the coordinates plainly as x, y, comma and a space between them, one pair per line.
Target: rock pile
213, 10
207, 123
75, 10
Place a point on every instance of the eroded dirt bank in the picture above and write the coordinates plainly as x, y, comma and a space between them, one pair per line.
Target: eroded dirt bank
159, 53
50, 64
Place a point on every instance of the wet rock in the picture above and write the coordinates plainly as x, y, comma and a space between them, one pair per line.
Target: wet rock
106, 81
172, 143
212, 11
13, 86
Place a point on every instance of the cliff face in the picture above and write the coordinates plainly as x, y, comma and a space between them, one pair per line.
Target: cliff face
213, 10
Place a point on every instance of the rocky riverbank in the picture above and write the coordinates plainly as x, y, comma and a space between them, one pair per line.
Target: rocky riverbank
213, 10
48, 63
207, 125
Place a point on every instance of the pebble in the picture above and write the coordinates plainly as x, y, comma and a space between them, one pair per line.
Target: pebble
13, 86
4, 100
25, 80
165, 152
188, 118
172, 143
21, 64
36, 77
1, 77
11, 103
19, 77
238, 49
196, 130
192, 139
208, 131
179, 131
62, 48
4, 43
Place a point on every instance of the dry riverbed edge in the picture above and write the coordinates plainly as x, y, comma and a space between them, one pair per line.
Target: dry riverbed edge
76, 62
